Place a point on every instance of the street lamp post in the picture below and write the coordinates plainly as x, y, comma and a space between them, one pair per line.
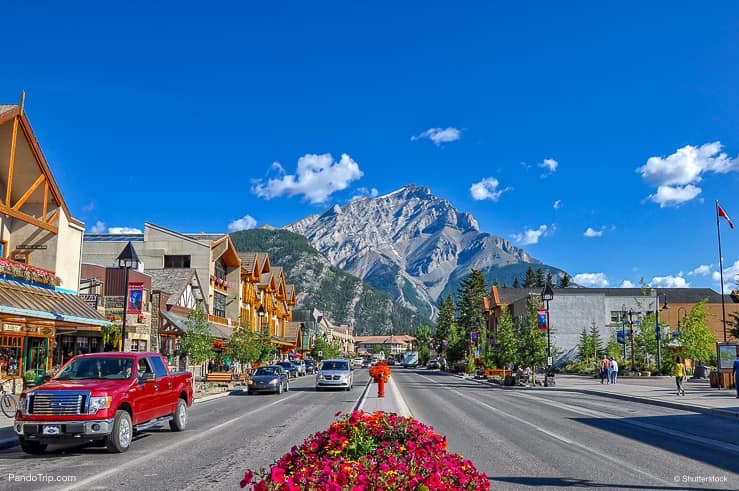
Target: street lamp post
657, 332
685, 313
127, 259
262, 316
623, 328
631, 335
547, 294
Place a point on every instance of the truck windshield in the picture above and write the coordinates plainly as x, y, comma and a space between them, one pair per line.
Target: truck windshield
97, 368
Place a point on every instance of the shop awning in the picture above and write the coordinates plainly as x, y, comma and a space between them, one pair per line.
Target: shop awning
26, 300
180, 322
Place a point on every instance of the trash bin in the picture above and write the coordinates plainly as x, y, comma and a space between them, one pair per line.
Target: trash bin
509, 380
713, 379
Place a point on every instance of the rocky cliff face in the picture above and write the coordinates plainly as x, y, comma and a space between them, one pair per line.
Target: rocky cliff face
408, 243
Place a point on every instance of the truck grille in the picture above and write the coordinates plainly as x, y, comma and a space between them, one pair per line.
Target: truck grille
57, 403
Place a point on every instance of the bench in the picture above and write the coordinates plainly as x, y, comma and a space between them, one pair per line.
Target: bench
218, 378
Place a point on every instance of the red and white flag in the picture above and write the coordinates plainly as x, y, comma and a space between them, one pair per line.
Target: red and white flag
720, 211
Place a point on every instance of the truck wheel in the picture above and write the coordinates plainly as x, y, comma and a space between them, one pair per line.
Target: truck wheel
120, 438
33, 448
180, 417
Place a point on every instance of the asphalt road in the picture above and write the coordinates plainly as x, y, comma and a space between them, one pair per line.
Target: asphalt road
521, 439
224, 438
560, 440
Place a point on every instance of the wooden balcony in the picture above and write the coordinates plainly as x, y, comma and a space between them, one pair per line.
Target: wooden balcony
220, 320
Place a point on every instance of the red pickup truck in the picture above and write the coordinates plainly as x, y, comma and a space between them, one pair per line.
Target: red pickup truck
103, 398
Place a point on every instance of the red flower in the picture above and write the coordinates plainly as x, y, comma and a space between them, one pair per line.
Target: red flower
278, 474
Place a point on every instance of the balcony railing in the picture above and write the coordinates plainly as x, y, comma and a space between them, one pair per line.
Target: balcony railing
220, 320
23, 271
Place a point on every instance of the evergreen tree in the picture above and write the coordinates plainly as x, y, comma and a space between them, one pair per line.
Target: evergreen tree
530, 280
506, 348
445, 319
564, 281
596, 342
197, 342
532, 343
540, 278
584, 346
516, 284
471, 293
550, 279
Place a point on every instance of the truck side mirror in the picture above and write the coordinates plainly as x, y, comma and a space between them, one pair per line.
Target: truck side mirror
148, 378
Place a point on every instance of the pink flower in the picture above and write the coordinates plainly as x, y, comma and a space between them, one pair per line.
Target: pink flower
278, 474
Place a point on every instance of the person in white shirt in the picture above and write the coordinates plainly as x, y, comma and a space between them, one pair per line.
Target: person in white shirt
614, 371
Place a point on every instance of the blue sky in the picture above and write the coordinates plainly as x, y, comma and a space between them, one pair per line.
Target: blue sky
596, 136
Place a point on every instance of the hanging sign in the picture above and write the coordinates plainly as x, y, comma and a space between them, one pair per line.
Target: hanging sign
541, 319
135, 297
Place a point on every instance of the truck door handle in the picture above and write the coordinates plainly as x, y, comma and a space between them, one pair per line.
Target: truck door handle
169, 384
156, 386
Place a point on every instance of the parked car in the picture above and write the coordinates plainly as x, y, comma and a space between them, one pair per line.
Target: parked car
269, 378
433, 364
300, 364
357, 363
366, 363
335, 373
310, 366
391, 362
290, 367
103, 397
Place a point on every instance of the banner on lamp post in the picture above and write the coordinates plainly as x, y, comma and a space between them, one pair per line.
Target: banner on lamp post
541, 319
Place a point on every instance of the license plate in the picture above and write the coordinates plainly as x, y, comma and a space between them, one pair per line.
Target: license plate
52, 429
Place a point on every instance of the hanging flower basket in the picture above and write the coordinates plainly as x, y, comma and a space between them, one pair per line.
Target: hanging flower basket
27, 272
380, 371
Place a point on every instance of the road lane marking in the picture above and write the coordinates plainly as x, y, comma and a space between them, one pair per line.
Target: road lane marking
717, 444
84, 484
402, 406
601, 455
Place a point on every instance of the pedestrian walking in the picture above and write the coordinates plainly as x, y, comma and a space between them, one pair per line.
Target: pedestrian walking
734, 370
679, 372
614, 371
605, 364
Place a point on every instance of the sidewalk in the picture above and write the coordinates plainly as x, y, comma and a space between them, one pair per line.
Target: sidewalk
699, 396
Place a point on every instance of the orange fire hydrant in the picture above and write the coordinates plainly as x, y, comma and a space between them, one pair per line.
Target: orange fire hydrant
380, 386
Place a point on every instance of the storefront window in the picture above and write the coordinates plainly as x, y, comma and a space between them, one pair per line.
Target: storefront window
219, 304
10, 354
138, 345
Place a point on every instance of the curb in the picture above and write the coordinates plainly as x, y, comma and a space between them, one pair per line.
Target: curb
220, 395
360, 402
624, 397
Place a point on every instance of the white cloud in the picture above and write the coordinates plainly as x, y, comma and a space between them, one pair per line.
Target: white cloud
674, 196
557, 204
317, 178
627, 284
590, 232
669, 282
439, 135
487, 189
550, 165
123, 230
677, 174
731, 276
591, 280
702, 270
531, 236
244, 223
98, 228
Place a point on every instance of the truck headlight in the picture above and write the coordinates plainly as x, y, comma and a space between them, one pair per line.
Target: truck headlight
98, 403
22, 405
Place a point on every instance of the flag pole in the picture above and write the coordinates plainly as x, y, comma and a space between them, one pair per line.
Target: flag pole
721, 271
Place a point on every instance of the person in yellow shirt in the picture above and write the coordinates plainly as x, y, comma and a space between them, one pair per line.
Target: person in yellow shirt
679, 373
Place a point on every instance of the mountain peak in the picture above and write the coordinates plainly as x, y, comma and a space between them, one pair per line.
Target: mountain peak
409, 244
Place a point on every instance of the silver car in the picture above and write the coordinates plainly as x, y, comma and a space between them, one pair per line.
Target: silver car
334, 374
269, 378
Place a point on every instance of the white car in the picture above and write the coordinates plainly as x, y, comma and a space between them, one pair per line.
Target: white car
336, 373
357, 363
